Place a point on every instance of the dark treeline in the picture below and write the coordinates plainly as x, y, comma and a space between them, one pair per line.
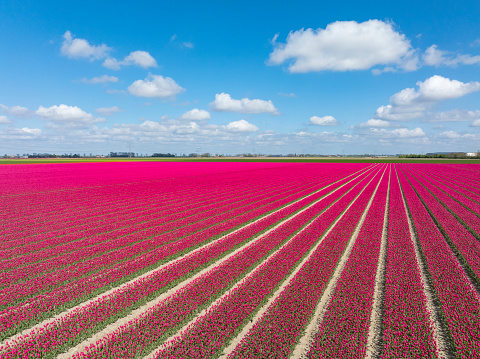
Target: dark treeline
163, 155
461, 155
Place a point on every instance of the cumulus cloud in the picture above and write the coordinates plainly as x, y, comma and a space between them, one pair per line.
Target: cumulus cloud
449, 134
138, 58
24, 133
476, 123
67, 116
155, 86
400, 113
81, 48
4, 120
323, 121
241, 126
196, 115
32, 131
456, 115
172, 131
345, 46
62, 113
412, 103
16, 111
398, 133
224, 102
108, 111
100, 80
373, 122
435, 57
436, 88
469, 140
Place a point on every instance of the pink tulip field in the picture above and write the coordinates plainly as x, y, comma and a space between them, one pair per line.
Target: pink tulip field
239, 260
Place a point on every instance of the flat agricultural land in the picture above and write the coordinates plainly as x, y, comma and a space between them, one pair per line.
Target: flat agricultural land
15, 161
320, 258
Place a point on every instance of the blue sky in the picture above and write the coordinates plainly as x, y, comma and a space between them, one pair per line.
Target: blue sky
233, 77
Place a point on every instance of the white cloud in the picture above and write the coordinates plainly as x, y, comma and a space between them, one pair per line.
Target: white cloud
399, 113
412, 103
24, 133
171, 131
181, 44
438, 88
138, 58
4, 119
67, 116
32, 131
100, 80
273, 41
155, 86
63, 113
375, 123
196, 115
450, 134
112, 64
456, 115
385, 69
241, 126
398, 133
475, 123
435, 57
80, 48
291, 94
345, 46
16, 111
470, 139
224, 102
108, 111
323, 121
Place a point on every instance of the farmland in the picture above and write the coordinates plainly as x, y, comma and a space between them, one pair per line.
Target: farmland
240, 260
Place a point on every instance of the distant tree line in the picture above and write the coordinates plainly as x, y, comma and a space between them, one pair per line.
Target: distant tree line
163, 155
49, 155
460, 155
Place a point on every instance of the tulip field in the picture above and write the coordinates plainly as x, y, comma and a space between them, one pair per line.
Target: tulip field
239, 260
